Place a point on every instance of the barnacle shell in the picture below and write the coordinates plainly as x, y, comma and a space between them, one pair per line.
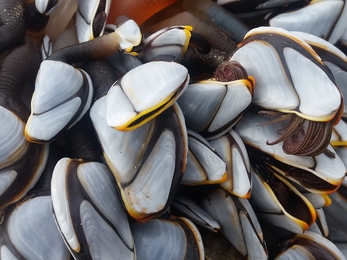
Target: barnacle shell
309, 245
46, 6
321, 224
148, 162
290, 76
212, 107
317, 18
28, 231
46, 47
335, 214
85, 18
168, 239
129, 33
233, 151
238, 222
143, 93
280, 203
21, 162
339, 135
204, 165
167, 43
332, 57
327, 172
62, 96
83, 193
215, 36
188, 208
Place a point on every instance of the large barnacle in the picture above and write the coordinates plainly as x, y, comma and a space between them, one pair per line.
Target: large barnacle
292, 79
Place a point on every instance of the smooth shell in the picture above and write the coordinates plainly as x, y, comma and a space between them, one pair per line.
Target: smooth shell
238, 222
317, 18
253, 133
189, 209
175, 239
211, 107
32, 231
143, 93
204, 165
168, 42
62, 96
148, 162
233, 151
86, 193
290, 76
85, 15
287, 209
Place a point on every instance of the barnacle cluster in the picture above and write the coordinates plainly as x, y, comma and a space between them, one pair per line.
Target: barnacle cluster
173, 129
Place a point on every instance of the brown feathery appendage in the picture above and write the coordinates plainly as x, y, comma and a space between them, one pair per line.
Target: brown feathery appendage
230, 71
301, 136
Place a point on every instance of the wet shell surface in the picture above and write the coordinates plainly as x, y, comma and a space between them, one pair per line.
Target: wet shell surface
268, 181
212, 107
236, 216
310, 245
140, 96
330, 171
332, 57
290, 78
62, 96
130, 34
335, 214
21, 162
82, 193
278, 202
168, 42
168, 239
316, 18
188, 208
155, 151
91, 19
233, 152
204, 165
30, 234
